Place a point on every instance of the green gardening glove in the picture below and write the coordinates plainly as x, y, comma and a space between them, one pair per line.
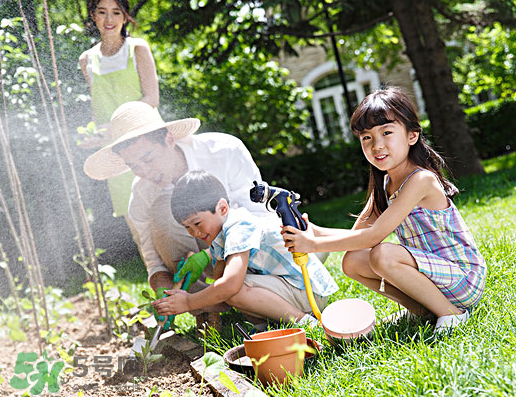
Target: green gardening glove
168, 323
191, 268
159, 318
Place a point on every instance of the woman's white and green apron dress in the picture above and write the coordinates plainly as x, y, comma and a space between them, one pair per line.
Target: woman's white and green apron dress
114, 81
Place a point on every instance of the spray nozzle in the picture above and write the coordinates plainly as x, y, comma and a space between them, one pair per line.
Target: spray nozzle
260, 192
285, 203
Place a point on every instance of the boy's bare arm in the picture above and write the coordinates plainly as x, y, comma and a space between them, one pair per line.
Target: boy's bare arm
218, 269
225, 287
221, 290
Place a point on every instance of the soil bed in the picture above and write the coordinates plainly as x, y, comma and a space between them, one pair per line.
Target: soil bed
102, 360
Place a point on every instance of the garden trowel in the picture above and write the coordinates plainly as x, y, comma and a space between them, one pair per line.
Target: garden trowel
140, 344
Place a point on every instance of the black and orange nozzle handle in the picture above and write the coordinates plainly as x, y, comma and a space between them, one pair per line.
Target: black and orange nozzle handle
286, 203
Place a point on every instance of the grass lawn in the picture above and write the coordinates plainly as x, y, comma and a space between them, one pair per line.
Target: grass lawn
407, 360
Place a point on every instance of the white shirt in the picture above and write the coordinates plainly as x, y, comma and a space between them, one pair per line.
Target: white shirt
224, 156
115, 62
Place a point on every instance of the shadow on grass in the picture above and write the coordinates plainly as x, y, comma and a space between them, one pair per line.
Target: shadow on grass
483, 187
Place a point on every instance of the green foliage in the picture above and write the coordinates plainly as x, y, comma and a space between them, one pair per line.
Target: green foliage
15, 331
377, 47
489, 64
336, 212
214, 365
249, 97
318, 174
223, 27
89, 131
492, 125
500, 163
17, 72
120, 302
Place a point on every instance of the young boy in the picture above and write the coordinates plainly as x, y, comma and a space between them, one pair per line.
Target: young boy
254, 271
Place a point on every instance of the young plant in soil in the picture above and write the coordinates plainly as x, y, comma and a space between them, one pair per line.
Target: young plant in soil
146, 357
118, 306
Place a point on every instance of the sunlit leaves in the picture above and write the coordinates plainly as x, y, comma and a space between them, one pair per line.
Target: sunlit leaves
248, 95
488, 63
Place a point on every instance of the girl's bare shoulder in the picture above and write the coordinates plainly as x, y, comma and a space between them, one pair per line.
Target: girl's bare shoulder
432, 194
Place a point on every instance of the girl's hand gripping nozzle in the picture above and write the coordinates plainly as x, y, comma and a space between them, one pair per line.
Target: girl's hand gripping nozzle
286, 203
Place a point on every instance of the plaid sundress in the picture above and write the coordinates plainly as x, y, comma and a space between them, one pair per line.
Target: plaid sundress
444, 250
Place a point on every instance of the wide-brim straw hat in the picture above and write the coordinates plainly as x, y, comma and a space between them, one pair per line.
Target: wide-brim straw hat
131, 120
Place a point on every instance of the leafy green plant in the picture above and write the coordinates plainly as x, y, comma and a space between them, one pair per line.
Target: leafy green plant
156, 392
257, 363
151, 296
214, 365
16, 334
67, 356
89, 131
146, 357
153, 391
119, 302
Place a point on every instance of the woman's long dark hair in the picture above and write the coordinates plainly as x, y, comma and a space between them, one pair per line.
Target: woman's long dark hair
386, 106
91, 26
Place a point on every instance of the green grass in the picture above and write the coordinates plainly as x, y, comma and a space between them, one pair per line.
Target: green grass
337, 212
407, 360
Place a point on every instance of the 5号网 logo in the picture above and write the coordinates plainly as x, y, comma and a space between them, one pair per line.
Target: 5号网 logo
37, 373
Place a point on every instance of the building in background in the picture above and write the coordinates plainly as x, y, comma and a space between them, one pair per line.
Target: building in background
329, 117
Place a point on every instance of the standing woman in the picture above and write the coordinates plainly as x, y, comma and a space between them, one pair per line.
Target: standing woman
119, 69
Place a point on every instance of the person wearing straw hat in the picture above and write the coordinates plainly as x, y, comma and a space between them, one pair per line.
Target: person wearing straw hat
159, 153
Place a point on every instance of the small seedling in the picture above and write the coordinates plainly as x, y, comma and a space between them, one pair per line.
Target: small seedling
257, 363
151, 297
146, 356
301, 349
214, 364
90, 129
153, 392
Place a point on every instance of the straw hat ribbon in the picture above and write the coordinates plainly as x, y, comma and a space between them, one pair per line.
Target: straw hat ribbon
131, 120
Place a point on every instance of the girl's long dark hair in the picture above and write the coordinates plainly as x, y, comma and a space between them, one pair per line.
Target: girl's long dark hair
386, 106
91, 27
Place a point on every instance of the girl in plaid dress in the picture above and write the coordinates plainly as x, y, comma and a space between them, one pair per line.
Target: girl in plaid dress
437, 268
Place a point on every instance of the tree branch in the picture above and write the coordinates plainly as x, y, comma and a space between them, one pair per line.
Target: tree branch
464, 19
348, 32
137, 7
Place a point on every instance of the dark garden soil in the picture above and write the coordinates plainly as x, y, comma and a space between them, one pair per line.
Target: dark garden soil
172, 374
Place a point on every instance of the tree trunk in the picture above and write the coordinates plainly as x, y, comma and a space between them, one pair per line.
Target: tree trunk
427, 52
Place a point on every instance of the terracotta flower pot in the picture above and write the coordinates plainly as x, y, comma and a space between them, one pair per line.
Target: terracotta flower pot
238, 361
281, 359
